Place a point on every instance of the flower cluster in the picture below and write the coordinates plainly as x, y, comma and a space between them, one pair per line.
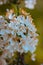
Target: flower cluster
17, 33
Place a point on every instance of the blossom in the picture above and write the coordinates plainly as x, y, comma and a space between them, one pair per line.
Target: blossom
19, 34
30, 4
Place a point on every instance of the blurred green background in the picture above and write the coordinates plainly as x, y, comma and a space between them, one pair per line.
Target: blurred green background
37, 15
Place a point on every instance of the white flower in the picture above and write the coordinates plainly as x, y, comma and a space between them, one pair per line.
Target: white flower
30, 4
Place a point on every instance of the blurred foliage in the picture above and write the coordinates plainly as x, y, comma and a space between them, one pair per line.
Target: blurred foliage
15, 1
